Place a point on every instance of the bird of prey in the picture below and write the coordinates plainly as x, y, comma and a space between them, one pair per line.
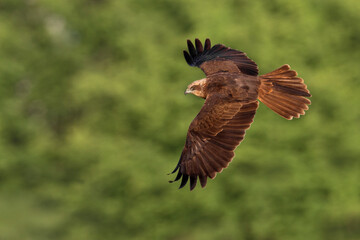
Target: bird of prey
231, 89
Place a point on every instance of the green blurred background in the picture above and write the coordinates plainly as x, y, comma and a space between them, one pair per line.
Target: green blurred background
93, 117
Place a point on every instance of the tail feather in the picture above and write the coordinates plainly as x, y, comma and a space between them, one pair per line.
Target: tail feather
285, 93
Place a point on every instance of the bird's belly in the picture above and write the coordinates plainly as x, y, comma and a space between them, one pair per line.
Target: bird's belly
247, 88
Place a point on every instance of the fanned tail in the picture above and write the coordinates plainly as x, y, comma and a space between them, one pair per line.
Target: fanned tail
285, 93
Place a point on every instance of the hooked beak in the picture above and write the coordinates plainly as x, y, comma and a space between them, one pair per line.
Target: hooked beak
187, 91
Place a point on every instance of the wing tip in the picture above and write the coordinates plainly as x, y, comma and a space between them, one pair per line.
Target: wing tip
193, 55
185, 178
203, 180
188, 58
207, 44
199, 54
193, 181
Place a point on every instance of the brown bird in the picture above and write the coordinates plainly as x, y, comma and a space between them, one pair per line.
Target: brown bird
231, 89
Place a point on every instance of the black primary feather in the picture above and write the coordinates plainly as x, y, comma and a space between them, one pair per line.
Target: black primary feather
197, 56
184, 180
191, 48
199, 46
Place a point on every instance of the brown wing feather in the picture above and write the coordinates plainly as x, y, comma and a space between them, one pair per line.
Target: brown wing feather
215, 113
204, 154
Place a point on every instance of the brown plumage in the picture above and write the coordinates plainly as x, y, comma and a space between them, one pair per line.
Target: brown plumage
231, 89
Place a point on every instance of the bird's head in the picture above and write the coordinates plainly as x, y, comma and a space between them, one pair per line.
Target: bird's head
197, 88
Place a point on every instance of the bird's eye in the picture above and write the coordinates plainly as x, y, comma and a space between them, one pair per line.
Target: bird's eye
195, 87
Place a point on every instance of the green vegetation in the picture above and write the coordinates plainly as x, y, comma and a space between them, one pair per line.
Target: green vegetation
93, 117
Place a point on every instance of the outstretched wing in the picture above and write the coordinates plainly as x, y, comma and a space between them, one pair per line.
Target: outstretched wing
218, 58
212, 138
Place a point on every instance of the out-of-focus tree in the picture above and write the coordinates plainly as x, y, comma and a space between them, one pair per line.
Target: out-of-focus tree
92, 117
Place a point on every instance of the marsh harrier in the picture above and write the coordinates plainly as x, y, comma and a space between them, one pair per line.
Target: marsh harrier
231, 89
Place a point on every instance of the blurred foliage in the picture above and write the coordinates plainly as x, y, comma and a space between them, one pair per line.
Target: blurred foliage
93, 116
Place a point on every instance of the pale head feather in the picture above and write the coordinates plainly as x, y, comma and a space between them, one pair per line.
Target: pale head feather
197, 88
